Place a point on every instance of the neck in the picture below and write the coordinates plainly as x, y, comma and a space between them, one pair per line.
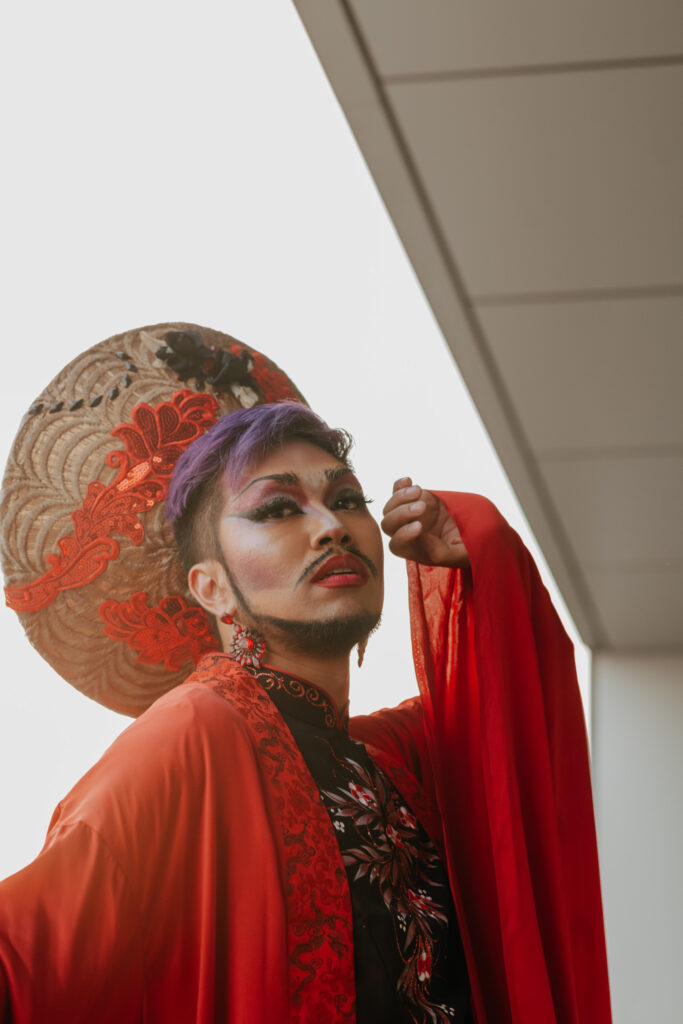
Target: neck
330, 674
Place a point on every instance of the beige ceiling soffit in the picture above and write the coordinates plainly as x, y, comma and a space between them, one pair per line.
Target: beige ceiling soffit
340, 48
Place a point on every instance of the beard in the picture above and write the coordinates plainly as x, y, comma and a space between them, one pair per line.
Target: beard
332, 636
320, 636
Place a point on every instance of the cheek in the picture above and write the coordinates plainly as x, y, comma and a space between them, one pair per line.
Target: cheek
259, 563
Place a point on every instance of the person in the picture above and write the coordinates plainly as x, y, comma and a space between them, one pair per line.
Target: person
246, 852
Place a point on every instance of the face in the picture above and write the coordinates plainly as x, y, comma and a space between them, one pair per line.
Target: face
304, 556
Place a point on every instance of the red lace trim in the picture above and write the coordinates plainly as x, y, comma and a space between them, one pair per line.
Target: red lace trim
321, 970
169, 634
154, 442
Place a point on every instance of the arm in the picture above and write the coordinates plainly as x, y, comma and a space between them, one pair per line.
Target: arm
68, 920
507, 746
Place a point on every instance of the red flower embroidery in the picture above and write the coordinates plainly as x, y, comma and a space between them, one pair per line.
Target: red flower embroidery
394, 837
159, 436
169, 634
394, 856
361, 795
407, 819
420, 902
424, 966
153, 444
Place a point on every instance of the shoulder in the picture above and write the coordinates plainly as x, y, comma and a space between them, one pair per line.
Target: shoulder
181, 721
187, 736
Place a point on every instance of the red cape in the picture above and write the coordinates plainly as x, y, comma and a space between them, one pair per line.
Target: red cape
504, 745
193, 873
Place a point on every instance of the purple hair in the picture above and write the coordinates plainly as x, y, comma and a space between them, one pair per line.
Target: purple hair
236, 442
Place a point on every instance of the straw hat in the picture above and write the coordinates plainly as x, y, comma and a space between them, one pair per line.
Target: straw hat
89, 560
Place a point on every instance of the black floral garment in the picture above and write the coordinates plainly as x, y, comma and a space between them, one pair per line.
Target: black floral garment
409, 962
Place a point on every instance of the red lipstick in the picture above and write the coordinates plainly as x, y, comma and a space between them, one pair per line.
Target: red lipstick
341, 571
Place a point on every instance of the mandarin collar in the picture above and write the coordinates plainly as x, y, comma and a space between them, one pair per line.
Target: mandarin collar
295, 697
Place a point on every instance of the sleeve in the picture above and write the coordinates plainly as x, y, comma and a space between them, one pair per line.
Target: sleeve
66, 921
503, 732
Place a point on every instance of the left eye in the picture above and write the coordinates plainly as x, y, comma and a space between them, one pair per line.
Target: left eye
351, 500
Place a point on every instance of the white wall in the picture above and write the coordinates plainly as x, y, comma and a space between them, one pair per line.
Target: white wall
638, 785
192, 163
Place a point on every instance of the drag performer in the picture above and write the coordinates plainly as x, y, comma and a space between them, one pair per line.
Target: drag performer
245, 852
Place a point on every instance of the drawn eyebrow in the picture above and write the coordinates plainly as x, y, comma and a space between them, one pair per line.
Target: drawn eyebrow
293, 480
279, 478
336, 474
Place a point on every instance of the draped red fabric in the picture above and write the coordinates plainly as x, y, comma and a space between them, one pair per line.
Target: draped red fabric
504, 744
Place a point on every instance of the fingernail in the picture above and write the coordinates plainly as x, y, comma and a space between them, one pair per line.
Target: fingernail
416, 506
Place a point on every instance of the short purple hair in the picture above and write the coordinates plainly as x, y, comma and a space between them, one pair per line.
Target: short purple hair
231, 446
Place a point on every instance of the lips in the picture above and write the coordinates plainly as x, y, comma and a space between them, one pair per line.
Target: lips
341, 571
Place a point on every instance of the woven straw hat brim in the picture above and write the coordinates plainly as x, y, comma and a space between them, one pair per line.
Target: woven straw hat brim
90, 562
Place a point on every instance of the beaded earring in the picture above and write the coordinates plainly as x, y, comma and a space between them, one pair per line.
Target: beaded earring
247, 647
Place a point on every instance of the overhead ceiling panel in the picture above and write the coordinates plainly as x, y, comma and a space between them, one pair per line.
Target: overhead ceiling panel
593, 376
568, 185
641, 610
620, 510
436, 36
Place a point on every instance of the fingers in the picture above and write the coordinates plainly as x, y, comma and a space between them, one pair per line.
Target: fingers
402, 513
404, 536
404, 491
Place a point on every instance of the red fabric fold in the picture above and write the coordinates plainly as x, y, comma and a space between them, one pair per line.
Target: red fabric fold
509, 753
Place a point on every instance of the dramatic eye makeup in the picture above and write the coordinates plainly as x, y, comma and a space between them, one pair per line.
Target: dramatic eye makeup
282, 506
278, 507
351, 497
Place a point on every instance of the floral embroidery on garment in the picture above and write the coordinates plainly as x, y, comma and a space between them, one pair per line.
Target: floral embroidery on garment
396, 856
368, 802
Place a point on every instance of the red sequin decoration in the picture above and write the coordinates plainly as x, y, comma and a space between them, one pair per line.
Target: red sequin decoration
154, 441
169, 634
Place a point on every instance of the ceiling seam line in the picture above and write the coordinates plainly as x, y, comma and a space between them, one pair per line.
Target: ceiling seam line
524, 448
529, 70
493, 299
616, 453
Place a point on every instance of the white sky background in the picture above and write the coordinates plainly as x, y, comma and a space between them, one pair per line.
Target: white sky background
169, 161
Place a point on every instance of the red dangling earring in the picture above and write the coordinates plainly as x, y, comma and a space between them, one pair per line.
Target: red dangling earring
247, 648
227, 619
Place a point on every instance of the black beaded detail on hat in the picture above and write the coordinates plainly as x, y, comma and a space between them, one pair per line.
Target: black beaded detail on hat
188, 356
78, 403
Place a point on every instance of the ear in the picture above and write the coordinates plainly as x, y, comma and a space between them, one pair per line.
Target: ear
209, 586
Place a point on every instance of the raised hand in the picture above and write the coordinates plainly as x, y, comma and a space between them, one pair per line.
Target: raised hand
421, 528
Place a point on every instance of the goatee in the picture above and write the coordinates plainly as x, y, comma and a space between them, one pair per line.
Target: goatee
321, 636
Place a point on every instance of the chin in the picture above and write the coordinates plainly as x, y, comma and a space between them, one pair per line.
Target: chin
332, 635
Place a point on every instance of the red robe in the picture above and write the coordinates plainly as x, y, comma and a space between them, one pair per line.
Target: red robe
193, 875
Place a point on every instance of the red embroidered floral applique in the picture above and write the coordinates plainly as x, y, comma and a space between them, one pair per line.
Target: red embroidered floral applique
169, 634
154, 441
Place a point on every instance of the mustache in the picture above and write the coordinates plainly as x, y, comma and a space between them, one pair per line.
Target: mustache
329, 554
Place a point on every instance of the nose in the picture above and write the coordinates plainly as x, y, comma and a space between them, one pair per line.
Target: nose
329, 529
